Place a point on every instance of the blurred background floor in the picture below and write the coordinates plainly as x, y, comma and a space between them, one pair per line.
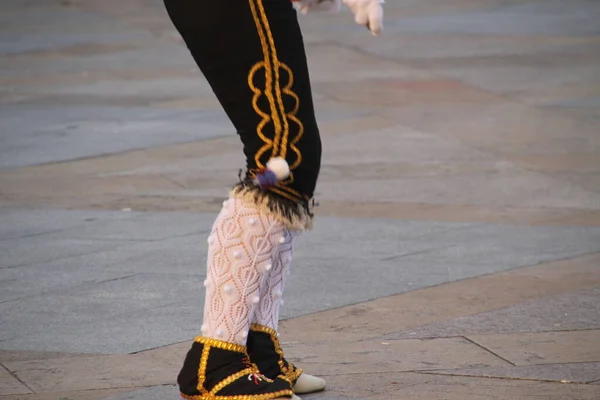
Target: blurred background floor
456, 253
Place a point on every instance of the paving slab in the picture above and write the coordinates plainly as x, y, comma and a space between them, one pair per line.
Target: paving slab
114, 315
543, 347
565, 373
577, 310
122, 331
150, 393
85, 373
456, 388
45, 19
71, 395
11, 385
461, 213
37, 135
45, 237
23, 355
555, 17
385, 317
393, 386
18, 224
376, 356
22, 252
468, 188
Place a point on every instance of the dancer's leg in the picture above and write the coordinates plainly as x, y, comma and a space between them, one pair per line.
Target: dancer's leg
252, 55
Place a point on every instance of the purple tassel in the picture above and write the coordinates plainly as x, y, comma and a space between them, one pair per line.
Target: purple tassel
266, 179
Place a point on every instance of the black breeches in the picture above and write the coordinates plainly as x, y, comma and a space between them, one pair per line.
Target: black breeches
252, 54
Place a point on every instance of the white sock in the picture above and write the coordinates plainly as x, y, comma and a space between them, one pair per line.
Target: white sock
240, 255
271, 291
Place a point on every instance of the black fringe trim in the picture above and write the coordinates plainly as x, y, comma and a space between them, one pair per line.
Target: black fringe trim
296, 215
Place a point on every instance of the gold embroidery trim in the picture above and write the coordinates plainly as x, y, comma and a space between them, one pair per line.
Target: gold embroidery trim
232, 378
266, 396
291, 371
293, 192
263, 329
266, 118
278, 108
280, 118
220, 344
202, 369
292, 116
288, 196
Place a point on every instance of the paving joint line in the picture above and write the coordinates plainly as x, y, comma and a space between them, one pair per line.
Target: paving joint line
432, 249
36, 234
128, 242
488, 350
173, 181
507, 378
17, 378
391, 338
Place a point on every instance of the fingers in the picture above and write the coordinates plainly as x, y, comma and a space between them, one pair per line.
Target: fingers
368, 13
361, 17
375, 18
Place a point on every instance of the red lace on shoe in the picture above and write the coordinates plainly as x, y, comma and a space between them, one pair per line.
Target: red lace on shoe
257, 377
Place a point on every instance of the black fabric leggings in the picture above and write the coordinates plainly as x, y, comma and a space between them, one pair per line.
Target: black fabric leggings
252, 55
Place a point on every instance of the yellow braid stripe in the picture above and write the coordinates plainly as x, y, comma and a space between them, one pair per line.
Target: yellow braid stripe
276, 65
266, 118
232, 378
257, 92
266, 64
292, 116
273, 91
266, 396
202, 369
220, 344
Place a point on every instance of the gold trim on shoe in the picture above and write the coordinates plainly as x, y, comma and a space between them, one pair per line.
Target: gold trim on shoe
220, 344
252, 370
268, 396
291, 372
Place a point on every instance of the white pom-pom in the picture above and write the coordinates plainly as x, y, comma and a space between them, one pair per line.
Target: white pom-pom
280, 167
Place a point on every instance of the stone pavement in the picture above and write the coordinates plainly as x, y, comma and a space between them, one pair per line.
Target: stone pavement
456, 253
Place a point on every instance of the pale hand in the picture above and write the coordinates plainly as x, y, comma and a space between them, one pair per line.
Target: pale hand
368, 13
